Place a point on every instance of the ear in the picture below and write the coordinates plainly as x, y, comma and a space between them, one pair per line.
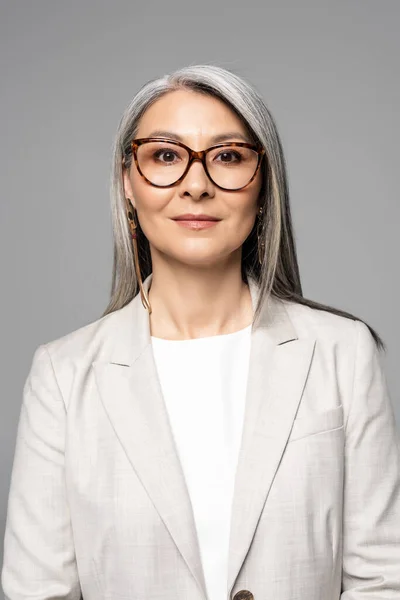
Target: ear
127, 185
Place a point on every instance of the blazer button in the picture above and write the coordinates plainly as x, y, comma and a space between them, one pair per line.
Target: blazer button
243, 595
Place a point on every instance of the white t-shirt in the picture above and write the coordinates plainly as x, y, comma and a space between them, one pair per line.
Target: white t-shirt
204, 382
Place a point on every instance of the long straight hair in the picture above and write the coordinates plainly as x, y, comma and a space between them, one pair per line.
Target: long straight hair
278, 275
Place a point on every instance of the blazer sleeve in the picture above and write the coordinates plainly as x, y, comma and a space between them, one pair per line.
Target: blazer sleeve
371, 517
39, 558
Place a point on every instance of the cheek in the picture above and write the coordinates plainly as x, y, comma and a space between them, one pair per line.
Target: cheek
243, 212
150, 201
239, 226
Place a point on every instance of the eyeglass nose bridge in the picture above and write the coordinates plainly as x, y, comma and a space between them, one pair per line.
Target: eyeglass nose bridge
196, 155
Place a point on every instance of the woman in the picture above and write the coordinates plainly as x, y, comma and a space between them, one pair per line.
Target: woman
214, 434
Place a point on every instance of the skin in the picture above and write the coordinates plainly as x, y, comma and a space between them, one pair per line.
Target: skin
197, 288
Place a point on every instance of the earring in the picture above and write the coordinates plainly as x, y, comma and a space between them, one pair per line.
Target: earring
133, 228
260, 241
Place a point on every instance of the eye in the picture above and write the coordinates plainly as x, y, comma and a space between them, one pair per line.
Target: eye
168, 155
229, 157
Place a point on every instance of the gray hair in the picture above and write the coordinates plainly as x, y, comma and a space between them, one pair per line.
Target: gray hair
278, 275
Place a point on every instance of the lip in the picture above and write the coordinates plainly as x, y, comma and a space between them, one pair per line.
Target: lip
196, 224
193, 217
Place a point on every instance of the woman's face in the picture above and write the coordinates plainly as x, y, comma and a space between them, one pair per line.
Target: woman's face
196, 119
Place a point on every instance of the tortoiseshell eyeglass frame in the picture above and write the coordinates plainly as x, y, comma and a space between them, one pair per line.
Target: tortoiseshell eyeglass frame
197, 155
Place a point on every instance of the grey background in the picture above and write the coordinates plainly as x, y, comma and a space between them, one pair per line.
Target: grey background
329, 72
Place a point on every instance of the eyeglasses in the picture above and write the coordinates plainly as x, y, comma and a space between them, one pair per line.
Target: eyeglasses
164, 163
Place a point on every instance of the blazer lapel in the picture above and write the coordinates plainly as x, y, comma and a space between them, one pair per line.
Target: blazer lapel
279, 364
129, 388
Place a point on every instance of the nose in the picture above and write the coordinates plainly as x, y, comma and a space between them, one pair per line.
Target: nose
196, 182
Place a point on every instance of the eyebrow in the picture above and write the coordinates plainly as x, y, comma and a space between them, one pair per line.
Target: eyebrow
214, 140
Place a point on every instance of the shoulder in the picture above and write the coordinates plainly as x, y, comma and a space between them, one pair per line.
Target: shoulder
345, 353
87, 343
67, 359
314, 320
325, 325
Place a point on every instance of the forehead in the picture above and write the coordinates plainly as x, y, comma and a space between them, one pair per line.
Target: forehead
190, 114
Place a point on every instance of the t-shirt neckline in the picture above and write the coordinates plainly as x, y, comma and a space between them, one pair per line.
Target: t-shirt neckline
209, 338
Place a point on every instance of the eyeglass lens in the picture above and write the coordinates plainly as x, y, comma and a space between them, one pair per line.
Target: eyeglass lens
163, 163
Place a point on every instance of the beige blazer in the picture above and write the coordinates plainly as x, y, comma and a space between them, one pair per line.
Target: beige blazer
98, 506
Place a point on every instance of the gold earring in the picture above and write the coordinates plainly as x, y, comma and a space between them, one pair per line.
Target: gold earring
260, 240
133, 228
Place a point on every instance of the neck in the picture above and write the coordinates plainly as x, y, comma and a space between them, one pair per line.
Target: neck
189, 303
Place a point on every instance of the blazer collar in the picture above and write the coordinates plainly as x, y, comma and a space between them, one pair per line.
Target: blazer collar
130, 391
134, 324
